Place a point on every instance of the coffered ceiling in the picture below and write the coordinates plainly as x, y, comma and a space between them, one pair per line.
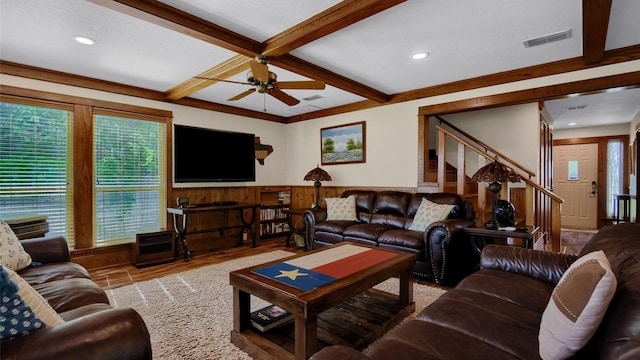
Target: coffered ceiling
362, 50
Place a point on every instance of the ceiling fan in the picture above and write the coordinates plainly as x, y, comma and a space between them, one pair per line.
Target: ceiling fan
266, 82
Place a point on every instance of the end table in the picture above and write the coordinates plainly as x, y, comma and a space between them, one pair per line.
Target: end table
290, 214
479, 232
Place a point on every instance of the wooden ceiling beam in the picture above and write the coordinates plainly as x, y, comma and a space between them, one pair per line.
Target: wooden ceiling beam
335, 18
223, 70
595, 24
312, 71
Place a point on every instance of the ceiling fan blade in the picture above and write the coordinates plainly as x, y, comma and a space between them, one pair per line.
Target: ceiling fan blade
241, 95
304, 85
222, 80
284, 97
260, 71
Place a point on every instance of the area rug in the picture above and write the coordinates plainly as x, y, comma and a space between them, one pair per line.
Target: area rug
189, 315
572, 240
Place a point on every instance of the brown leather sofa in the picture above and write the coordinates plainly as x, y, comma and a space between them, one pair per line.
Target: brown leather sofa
443, 253
496, 312
92, 329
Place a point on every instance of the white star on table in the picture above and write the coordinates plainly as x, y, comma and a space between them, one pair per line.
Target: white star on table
291, 274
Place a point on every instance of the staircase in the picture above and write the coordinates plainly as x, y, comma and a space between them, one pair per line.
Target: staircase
451, 171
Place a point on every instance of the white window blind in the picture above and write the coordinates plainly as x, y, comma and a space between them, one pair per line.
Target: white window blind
130, 177
36, 162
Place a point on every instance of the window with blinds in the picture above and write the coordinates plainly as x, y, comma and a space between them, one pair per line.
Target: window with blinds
129, 170
614, 174
36, 162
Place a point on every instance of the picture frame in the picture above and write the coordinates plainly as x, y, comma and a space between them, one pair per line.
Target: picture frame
343, 144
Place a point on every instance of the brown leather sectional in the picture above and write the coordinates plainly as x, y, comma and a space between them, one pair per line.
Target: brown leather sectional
443, 253
92, 329
495, 313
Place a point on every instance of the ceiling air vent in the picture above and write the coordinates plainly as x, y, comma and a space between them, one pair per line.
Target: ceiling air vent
312, 97
303, 109
562, 35
579, 107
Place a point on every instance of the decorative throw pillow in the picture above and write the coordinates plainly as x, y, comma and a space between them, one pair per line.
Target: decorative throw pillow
22, 309
429, 212
577, 305
12, 254
341, 208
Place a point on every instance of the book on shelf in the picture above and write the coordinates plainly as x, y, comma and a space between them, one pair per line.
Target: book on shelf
284, 197
269, 317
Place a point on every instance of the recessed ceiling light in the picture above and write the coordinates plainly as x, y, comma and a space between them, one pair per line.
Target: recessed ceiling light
420, 55
84, 40
572, 124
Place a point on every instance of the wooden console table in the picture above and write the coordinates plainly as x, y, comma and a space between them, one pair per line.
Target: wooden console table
181, 229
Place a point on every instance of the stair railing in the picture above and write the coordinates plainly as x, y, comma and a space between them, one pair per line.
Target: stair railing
546, 217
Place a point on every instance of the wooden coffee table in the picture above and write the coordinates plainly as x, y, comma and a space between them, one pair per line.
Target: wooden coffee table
343, 311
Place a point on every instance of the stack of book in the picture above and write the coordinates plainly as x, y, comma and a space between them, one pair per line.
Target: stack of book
269, 317
28, 226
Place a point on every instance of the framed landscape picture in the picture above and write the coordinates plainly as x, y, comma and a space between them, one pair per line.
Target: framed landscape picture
343, 144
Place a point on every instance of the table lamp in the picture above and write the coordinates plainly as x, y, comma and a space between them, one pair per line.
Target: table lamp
317, 174
495, 173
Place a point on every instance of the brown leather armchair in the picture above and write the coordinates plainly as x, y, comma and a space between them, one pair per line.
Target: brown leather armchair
92, 329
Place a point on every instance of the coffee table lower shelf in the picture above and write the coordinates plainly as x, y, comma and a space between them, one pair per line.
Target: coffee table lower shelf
356, 323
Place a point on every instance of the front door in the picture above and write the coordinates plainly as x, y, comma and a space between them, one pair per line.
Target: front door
575, 169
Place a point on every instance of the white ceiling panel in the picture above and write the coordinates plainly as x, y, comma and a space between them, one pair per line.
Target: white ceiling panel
464, 38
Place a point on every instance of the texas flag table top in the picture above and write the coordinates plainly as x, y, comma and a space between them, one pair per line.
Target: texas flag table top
311, 271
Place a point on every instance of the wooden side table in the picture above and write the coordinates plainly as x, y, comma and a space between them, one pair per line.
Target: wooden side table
488, 236
622, 202
290, 214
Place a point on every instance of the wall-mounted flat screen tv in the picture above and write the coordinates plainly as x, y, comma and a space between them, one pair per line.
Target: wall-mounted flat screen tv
209, 155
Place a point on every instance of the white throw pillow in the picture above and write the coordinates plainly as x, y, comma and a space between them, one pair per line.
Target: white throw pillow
577, 305
22, 309
12, 254
341, 208
429, 212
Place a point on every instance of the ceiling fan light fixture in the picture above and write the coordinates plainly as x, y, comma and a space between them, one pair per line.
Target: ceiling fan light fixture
252, 80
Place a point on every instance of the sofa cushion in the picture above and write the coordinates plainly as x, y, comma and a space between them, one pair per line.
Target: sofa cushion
366, 231
429, 212
390, 208
12, 254
68, 294
418, 340
44, 273
402, 238
341, 208
486, 319
22, 309
577, 305
525, 291
364, 202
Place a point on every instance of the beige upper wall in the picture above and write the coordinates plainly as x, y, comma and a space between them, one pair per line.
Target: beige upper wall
511, 130
392, 153
391, 130
594, 131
